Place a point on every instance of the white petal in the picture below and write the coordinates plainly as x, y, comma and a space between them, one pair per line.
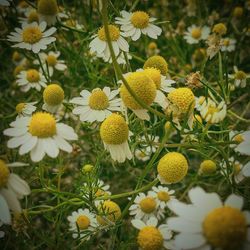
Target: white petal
234, 201
189, 241
138, 224
179, 224
11, 199
152, 222
28, 145
18, 185
4, 211
63, 144
50, 147
15, 131
66, 132
37, 153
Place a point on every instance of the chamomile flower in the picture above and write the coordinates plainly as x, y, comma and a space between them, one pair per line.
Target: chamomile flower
163, 85
133, 24
40, 134
12, 188
143, 154
25, 109
172, 168
31, 16
143, 87
32, 36
239, 77
99, 44
81, 223
31, 78
243, 140
212, 112
47, 11
207, 223
51, 59
157, 62
96, 105
144, 207
151, 236
53, 96
228, 44
195, 34
114, 133
150, 140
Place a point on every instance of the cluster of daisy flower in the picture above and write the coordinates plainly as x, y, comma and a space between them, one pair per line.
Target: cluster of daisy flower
155, 112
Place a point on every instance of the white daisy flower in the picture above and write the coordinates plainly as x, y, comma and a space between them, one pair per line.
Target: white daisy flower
239, 77
31, 16
40, 134
23, 7
51, 59
99, 44
5, 3
211, 112
12, 188
228, 44
164, 196
25, 109
48, 11
207, 223
82, 222
32, 36
150, 140
73, 24
144, 207
31, 78
114, 133
163, 85
133, 24
152, 236
243, 140
96, 105
143, 154
195, 34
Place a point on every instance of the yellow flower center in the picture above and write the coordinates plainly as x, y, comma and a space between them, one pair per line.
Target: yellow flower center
152, 46
225, 228
208, 167
53, 94
220, 29
98, 100
157, 62
51, 60
111, 210
32, 75
240, 75
83, 222
71, 23
140, 19
196, 33
87, 168
155, 75
4, 174
226, 42
18, 69
114, 33
236, 168
211, 111
20, 107
114, 130
42, 125
172, 167
33, 17
183, 99
148, 205
238, 11
150, 238
238, 138
163, 196
144, 88
32, 35
99, 192
47, 7
16, 57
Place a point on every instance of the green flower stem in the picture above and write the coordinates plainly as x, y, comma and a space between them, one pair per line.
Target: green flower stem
41, 65
117, 67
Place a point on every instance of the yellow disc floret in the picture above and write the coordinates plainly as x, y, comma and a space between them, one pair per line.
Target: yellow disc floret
98, 100
144, 88
225, 228
4, 174
155, 75
114, 130
42, 125
172, 167
111, 210
236, 168
196, 33
53, 94
32, 75
83, 222
163, 196
32, 35
207, 167
51, 60
114, 33
150, 238
140, 19
152, 46
238, 12
240, 75
20, 107
220, 29
183, 99
16, 57
47, 7
157, 62
33, 17
148, 205
238, 138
